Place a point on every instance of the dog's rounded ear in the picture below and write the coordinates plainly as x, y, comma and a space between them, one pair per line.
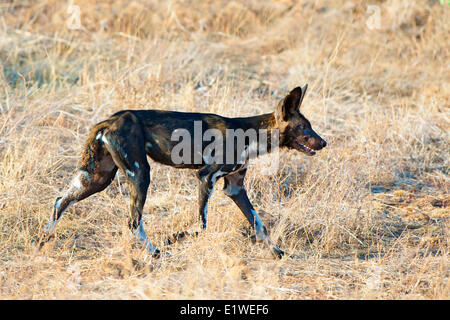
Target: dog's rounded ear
291, 103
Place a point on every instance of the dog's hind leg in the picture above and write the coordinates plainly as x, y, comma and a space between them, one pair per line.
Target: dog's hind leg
96, 172
234, 188
126, 144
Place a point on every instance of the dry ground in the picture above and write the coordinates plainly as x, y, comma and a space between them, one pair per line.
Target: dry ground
365, 218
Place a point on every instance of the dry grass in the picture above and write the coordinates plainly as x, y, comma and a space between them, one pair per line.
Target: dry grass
365, 218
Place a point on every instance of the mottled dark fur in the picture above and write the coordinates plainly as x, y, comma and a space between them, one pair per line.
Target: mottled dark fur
126, 139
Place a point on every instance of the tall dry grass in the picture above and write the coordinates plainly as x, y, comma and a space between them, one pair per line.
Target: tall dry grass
365, 218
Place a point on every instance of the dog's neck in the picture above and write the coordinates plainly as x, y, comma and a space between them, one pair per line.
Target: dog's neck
263, 122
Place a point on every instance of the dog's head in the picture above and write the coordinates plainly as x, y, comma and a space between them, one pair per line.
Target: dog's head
295, 130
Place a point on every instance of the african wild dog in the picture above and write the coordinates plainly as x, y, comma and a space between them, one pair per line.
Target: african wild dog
126, 139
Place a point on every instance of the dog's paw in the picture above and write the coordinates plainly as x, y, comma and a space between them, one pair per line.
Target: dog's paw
278, 253
44, 239
158, 254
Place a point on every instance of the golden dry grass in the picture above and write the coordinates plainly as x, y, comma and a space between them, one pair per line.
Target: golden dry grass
365, 218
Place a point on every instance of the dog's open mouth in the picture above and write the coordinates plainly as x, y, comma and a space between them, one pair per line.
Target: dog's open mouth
305, 149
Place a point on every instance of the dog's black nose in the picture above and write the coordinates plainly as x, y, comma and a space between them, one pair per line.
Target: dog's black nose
324, 143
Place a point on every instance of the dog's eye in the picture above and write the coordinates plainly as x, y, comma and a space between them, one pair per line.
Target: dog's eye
300, 127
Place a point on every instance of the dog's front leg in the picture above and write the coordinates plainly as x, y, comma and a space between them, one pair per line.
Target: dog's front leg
234, 188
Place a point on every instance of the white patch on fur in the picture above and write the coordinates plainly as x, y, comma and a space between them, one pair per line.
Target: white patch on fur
216, 175
104, 140
142, 237
129, 173
99, 135
77, 181
260, 235
58, 202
